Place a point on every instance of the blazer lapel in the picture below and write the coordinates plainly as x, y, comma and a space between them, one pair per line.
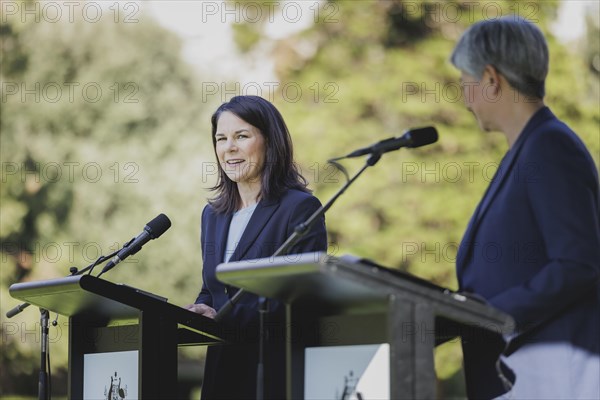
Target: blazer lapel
221, 231
500, 178
466, 242
263, 212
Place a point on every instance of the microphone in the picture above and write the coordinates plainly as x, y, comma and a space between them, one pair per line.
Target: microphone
412, 138
152, 230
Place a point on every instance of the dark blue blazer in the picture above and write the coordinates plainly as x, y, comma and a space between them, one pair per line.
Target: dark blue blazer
532, 248
230, 371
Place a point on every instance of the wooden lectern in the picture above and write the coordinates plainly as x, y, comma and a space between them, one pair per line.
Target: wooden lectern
339, 306
121, 339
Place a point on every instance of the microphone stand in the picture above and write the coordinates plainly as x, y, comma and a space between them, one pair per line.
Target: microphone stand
299, 232
44, 377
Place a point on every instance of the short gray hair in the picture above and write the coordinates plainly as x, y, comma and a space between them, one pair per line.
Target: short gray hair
514, 46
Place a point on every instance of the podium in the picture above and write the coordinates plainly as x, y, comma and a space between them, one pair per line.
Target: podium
122, 340
341, 309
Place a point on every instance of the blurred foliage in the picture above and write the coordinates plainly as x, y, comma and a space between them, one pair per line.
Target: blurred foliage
591, 47
102, 128
82, 170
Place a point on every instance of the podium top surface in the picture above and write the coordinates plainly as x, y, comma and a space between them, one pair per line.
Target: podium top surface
96, 299
74, 296
349, 284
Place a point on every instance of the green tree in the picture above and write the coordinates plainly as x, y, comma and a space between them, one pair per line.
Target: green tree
101, 129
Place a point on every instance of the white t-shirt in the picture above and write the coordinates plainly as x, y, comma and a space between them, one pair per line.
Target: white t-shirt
238, 224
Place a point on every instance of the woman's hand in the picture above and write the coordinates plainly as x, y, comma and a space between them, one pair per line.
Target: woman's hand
202, 309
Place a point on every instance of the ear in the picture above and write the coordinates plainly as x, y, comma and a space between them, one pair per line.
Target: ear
491, 77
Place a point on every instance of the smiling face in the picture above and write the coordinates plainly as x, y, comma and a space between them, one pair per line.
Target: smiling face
240, 149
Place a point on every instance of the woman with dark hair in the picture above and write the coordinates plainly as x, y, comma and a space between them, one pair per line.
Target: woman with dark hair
261, 197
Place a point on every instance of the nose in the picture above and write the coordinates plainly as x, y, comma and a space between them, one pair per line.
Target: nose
230, 146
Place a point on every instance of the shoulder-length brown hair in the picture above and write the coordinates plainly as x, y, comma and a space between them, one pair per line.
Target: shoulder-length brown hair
279, 173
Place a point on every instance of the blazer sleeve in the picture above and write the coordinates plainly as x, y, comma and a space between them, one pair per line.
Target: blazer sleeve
316, 238
204, 297
562, 189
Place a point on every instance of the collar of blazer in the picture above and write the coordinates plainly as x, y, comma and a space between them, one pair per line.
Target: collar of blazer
261, 215
499, 180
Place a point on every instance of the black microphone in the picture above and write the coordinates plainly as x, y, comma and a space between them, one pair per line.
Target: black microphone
416, 137
152, 230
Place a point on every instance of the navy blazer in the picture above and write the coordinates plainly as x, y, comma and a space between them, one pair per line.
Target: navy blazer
230, 371
532, 248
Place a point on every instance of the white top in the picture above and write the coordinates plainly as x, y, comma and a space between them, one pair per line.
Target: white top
557, 371
236, 229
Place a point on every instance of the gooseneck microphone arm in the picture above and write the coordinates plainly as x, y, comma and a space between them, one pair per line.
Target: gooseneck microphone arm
152, 230
412, 138
299, 232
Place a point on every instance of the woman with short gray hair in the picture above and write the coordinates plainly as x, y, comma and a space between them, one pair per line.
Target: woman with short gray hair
541, 213
515, 47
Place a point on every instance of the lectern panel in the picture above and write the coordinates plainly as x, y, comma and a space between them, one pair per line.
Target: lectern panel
111, 375
347, 372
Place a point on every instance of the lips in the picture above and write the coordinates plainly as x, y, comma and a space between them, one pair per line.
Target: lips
234, 162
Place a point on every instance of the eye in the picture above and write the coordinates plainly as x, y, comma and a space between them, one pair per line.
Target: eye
242, 136
220, 138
